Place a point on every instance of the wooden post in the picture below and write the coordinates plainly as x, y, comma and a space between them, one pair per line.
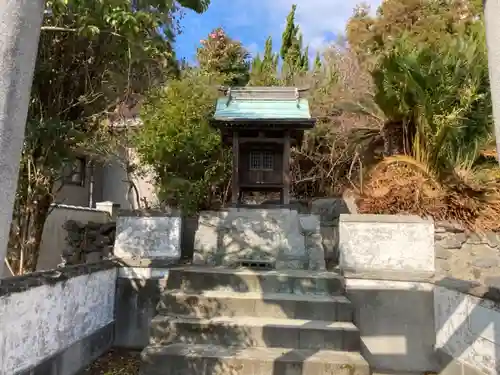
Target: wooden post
286, 170
235, 183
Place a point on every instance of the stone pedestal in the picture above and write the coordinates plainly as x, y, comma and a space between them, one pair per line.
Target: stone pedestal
153, 238
279, 237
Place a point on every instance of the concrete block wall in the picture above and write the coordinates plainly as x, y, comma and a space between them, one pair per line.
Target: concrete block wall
411, 318
56, 322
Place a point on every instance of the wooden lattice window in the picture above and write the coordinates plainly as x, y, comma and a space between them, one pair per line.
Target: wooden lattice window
261, 160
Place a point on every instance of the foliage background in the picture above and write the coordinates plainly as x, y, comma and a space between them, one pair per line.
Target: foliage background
402, 103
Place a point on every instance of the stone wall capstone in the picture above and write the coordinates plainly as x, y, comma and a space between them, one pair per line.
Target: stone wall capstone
467, 255
88, 242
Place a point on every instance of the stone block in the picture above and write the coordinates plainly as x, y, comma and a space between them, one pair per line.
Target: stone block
224, 238
386, 242
148, 237
329, 209
309, 223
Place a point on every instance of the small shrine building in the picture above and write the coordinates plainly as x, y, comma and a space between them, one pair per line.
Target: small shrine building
261, 124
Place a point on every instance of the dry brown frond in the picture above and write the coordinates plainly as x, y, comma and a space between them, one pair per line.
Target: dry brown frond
402, 189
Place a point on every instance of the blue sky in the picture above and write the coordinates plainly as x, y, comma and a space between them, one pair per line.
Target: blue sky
252, 21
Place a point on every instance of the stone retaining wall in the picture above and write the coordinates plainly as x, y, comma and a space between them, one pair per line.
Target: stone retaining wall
88, 242
467, 256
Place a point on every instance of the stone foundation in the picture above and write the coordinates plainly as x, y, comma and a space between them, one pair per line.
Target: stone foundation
281, 237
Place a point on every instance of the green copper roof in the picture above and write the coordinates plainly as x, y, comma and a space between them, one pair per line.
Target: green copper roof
258, 103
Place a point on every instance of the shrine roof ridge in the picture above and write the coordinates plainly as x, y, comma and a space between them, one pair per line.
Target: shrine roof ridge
262, 103
263, 93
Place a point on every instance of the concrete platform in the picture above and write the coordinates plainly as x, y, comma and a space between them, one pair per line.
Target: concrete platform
215, 360
209, 304
245, 331
197, 279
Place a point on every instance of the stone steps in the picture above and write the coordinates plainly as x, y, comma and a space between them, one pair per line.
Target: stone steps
264, 332
198, 279
187, 359
218, 321
210, 304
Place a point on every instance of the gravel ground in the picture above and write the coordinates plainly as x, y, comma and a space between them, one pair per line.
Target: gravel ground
115, 362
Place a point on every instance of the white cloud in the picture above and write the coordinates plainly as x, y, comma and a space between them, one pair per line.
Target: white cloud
317, 18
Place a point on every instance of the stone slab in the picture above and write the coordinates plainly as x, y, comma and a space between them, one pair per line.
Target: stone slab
208, 359
153, 237
198, 279
273, 305
386, 242
246, 331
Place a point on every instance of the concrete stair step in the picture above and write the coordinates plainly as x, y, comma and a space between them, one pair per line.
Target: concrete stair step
208, 304
196, 279
189, 359
246, 331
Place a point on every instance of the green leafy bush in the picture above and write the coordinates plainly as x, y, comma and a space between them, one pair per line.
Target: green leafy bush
190, 164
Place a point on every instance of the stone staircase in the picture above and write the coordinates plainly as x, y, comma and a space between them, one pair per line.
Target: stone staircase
216, 321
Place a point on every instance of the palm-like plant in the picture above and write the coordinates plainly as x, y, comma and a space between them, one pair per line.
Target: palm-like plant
438, 99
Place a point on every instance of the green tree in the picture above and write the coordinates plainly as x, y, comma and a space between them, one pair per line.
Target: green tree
221, 55
191, 166
317, 62
289, 37
295, 59
422, 21
92, 55
264, 70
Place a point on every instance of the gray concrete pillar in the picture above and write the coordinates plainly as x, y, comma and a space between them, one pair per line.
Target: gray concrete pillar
492, 21
20, 22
